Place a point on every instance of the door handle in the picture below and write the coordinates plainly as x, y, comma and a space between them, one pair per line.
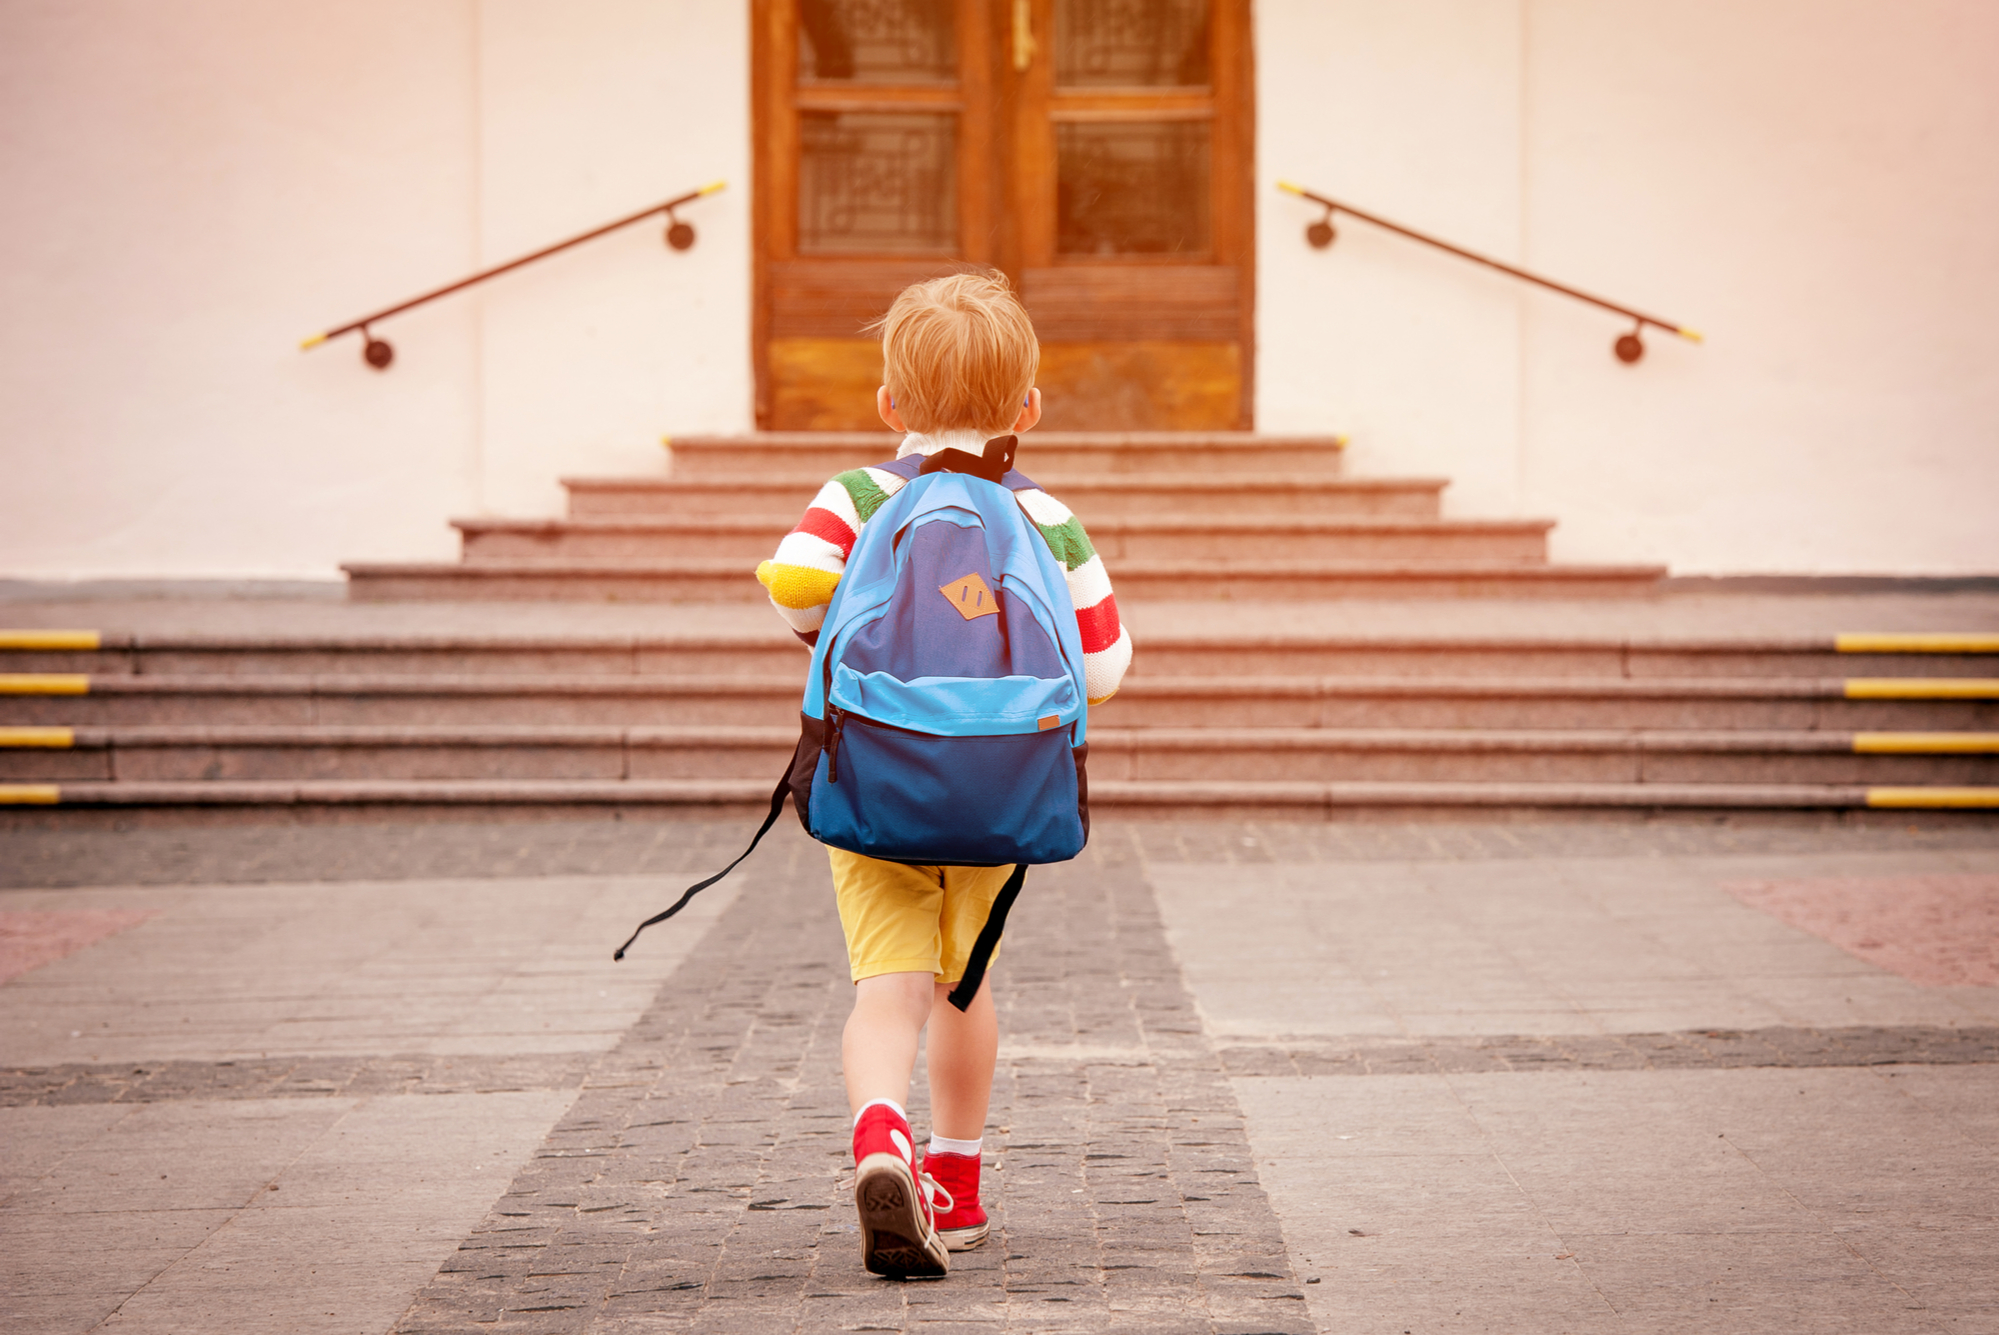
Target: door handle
1024, 35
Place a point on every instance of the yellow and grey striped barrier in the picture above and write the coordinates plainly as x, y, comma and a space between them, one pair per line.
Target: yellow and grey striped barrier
1920, 642
1921, 688
49, 641
44, 683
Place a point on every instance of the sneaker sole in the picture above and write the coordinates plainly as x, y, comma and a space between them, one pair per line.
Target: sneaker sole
896, 1240
963, 1239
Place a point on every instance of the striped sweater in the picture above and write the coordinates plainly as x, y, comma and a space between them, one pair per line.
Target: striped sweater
807, 565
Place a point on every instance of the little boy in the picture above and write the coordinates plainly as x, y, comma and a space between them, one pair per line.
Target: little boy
959, 358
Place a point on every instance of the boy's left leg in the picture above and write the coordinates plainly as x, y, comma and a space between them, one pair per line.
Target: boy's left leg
889, 914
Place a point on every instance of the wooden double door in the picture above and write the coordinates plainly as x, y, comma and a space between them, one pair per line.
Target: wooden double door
1098, 152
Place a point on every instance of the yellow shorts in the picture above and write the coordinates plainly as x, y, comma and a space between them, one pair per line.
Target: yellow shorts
902, 919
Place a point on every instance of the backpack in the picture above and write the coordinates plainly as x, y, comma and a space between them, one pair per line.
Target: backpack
944, 715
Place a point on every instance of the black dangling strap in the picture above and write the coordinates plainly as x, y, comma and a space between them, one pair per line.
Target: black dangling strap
777, 805
989, 939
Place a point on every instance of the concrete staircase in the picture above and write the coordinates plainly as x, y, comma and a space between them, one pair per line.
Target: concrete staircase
1295, 726
1296, 721
1183, 515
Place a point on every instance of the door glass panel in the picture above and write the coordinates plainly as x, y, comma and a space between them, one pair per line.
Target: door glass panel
878, 41
872, 181
1131, 43
1132, 187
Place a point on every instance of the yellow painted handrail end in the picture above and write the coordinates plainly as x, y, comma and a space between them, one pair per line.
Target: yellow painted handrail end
312, 342
714, 186
1291, 188
29, 794
1691, 335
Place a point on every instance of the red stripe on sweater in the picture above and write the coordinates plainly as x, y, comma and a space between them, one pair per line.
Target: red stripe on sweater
829, 527
1099, 624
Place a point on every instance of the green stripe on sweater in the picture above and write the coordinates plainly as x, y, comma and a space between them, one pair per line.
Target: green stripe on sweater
1068, 541
861, 489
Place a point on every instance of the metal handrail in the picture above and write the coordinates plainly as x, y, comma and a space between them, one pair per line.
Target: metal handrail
1629, 347
377, 352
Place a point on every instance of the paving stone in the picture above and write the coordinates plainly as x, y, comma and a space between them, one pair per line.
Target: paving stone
724, 1103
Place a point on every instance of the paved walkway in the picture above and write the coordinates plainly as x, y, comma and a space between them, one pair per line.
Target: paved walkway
1540, 1077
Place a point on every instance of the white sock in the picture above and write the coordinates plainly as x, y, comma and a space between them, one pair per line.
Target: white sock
890, 1104
939, 1145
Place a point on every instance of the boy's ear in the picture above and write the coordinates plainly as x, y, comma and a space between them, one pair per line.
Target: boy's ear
1031, 412
885, 408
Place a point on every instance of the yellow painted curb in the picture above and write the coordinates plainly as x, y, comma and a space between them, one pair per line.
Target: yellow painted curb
1922, 688
44, 683
1917, 644
1926, 743
1934, 797
53, 738
29, 794
50, 639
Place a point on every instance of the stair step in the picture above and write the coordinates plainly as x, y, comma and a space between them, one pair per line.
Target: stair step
732, 581
1161, 656
1178, 800
273, 754
1094, 496
1766, 703
1064, 452
1297, 537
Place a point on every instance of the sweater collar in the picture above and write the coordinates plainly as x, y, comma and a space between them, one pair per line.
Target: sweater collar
929, 443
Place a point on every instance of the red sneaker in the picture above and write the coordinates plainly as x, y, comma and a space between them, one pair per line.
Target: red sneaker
963, 1227
899, 1235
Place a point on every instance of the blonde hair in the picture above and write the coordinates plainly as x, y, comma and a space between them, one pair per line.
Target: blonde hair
958, 353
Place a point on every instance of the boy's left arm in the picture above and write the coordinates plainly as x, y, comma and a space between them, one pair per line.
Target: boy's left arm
1107, 646
802, 573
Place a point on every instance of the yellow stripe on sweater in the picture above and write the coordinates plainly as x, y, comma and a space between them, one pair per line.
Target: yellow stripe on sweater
1934, 797
797, 587
1917, 644
1922, 688
44, 683
50, 639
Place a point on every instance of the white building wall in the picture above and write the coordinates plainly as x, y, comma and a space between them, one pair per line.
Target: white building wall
1809, 182
193, 185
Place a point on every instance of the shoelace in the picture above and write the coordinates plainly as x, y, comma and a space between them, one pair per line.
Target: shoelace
934, 1189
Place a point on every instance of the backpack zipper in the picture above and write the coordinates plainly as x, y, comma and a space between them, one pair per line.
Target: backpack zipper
833, 721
